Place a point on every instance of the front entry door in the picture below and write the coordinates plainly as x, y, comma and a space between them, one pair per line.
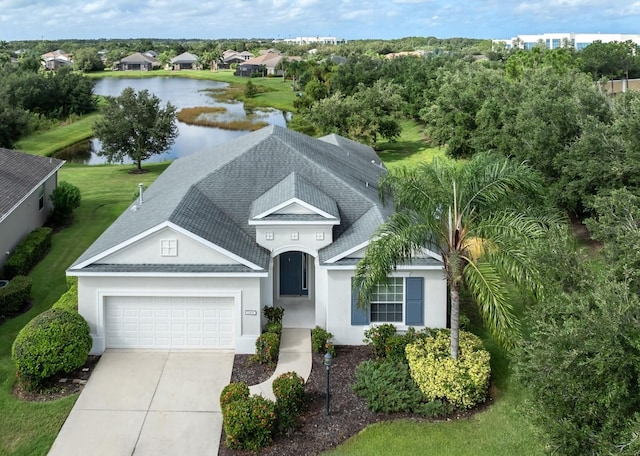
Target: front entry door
293, 274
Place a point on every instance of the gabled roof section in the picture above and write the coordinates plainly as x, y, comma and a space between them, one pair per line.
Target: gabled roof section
213, 194
294, 189
20, 175
139, 57
185, 57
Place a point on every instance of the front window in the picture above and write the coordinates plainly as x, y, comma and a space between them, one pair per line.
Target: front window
41, 197
387, 301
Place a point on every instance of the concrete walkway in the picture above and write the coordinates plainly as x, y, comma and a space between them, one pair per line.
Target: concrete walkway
148, 403
295, 356
160, 403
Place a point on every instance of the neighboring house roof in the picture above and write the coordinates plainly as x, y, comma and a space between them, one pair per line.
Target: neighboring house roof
269, 60
185, 57
20, 175
58, 54
139, 57
214, 194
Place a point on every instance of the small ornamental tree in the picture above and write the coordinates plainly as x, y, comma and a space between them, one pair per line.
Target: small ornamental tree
65, 198
135, 126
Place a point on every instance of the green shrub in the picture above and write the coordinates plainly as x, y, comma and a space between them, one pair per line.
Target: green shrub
15, 294
321, 341
377, 337
273, 314
65, 198
267, 348
288, 389
389, 388
233, 392
56, 341
274, 328
390, 345
69, 300
28, 252
249, 423
463, 382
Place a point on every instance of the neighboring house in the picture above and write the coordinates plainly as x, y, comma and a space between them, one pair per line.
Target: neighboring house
26, 181
56, 59
185, 61
138, 61
269, 64
230, 57
273, 218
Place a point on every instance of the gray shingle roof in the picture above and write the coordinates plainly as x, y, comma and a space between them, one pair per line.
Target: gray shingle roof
185, 57
212, 193
168, 268
294, 186
21, 174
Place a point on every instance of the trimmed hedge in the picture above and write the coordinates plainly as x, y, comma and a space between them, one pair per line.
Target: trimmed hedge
464, 381
53, 342
249, 423
15, 294
28, 252
267, 348
69, 300
288, 389
321, 341
233, 392
388, 344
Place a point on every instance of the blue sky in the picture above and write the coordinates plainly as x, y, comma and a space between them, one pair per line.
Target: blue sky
350, 19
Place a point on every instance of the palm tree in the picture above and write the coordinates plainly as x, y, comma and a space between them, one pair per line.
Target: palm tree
473, 215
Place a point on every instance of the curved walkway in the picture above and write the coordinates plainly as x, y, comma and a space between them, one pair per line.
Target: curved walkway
295, 356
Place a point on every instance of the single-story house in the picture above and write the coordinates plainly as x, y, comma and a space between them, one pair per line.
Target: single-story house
138, 61
266, 64
26, 182
56, 59
273, 218
185, 61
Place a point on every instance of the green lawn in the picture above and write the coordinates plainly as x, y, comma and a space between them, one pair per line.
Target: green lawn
408, 150
30, 428
47, 142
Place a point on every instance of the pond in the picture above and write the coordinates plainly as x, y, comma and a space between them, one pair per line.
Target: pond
182, 93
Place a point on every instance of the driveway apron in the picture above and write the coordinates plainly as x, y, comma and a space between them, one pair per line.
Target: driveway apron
148, 403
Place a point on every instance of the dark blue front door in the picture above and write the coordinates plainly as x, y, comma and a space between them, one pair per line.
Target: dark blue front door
293, 274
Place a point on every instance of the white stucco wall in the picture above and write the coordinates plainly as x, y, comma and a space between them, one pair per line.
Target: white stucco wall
147, 250
338, 302
284, 237
92, 292
25, 218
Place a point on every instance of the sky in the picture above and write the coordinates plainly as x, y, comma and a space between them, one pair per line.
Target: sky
348, 19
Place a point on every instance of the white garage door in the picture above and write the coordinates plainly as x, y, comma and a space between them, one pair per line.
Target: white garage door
169, 322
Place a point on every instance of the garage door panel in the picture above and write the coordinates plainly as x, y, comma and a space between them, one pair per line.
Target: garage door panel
169, 322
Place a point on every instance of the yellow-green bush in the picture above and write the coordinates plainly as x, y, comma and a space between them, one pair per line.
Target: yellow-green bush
463, 382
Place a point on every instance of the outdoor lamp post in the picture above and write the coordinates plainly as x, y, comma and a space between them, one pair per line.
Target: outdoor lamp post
327, 363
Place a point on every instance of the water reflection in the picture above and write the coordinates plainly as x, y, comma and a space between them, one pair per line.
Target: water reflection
181, 93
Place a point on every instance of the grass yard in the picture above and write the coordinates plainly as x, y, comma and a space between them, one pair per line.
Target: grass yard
408, 150
30, 428
47, 142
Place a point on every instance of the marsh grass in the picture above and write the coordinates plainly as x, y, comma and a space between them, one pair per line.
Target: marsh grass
205, 116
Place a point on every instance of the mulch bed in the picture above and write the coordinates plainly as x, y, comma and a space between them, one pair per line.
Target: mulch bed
318, 432
59, 386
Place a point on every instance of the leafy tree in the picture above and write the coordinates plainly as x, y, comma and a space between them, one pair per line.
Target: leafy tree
369, 113
474, 216
611, 60
135, 125
616, 222
87, 59
581, 365
250, 90
14, 122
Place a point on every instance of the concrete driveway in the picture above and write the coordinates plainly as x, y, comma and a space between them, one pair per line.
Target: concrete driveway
148, 403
